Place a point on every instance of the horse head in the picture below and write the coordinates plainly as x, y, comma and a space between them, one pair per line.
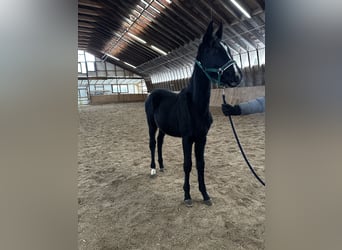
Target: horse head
215, 59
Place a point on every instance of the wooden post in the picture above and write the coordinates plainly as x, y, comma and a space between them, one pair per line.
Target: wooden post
88, 83
257, 51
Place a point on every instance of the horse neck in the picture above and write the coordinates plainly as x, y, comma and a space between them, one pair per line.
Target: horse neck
200, 90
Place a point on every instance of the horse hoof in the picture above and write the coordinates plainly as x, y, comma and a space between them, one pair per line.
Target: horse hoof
188, 203
162, 170
153, 172
208, 202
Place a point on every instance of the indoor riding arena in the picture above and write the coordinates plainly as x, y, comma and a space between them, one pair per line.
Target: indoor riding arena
126, 50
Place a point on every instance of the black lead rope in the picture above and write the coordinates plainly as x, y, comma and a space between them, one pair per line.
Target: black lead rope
238, 142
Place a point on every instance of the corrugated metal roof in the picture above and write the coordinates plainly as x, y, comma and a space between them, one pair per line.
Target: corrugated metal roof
175, 27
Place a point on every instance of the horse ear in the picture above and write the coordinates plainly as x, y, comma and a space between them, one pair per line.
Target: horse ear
208, 34
219, 32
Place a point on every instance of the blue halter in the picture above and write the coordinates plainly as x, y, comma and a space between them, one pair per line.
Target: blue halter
219, 71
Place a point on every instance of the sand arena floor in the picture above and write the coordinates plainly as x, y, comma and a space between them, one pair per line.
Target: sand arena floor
121, 207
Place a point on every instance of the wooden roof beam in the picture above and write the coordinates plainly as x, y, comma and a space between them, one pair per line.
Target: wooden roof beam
255, 31
196, 30
83, 35
261, 3
89, 4
230, 10
86, 25
88, 12
83, 39
86, 18
85, 30
196, 18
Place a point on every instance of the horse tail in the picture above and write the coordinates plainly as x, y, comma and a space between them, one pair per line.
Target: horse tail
152, 102
149, 110
148, 104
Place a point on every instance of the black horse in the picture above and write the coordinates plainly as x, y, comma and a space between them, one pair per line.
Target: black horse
187, 114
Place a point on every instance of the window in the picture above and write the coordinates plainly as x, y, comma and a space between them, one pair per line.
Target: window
120, 71
131, 89
237, 60
115, 88
91, 66
262, 55
89, 57
107, 88
84, 69
82, 92
124, 88
253, 57
79, 68
81, 58
110, 66
244, 60
189, 70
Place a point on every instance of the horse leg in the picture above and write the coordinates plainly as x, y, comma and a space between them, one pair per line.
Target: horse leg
187, 148
160, 140
152, 133
199, 154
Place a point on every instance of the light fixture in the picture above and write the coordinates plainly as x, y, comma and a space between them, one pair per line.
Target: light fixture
146, 4
129, 65
156, 10
240, 8
150, 13
139, 7
168, 1
136, 38
160, 4
149, 19
129, 21
115, 58
159, 50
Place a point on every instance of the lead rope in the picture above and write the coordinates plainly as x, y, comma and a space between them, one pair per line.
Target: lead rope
238, 142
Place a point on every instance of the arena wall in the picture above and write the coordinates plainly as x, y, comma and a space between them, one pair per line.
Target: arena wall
106, 99
236, 95
233, 96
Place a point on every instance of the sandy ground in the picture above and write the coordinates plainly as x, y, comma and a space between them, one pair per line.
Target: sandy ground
121, 207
